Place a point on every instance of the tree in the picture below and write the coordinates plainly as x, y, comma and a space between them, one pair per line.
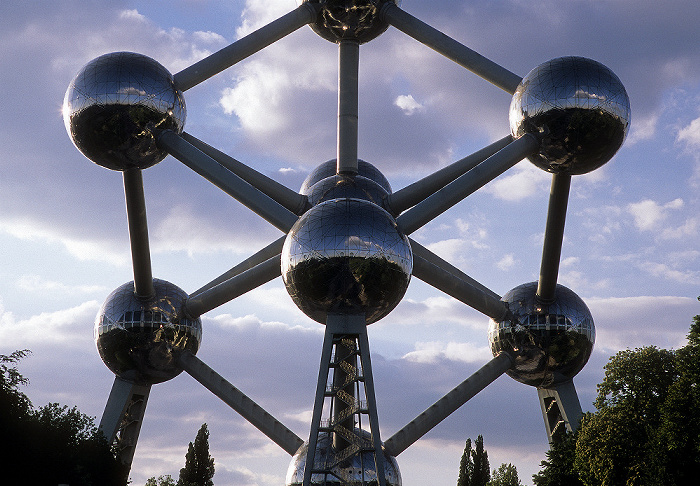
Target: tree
199, 465
53, 444
505, 475
466, 466
558, 468
482, 472
166, 480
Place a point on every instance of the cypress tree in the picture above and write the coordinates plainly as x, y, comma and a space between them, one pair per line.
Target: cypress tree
466, 466
199, 465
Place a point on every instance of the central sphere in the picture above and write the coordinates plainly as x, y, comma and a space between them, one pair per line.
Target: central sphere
140, 339
346, 256
358, 469
114, 101
579, 110
550, 343
349, 19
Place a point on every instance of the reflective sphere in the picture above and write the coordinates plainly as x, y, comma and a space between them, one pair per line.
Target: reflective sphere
358, 469
550, 343
111, 104
578, 108
140, 340
345, 186
349, 19
346, 256
329, 168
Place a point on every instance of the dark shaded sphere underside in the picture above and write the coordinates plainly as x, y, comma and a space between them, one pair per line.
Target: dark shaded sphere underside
141, 340
114, 101
551, 343
578, 108
358, 469
357, 20
346, 256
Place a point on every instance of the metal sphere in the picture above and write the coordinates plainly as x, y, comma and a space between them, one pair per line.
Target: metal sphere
549, 343
346, 256
346, 186
578, 108
349, 19
358, 469
329, 168
140, 340
112, 103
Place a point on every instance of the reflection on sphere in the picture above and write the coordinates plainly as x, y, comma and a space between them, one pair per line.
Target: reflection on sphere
329, 169
140, 340
111, 104
349, 19
549, 343
578, 108
346, 187
346, 256
358, 469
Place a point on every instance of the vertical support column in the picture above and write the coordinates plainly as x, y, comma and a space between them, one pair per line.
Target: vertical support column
553, 238
348, 72
561, 409
138, 233
122, 418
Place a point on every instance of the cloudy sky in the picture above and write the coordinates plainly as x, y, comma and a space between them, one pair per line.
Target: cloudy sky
630, 250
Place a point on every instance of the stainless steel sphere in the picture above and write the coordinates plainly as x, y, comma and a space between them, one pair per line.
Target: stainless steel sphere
578, 108
346, 256
111, 104
329, 168
349, 19
549, 343
358, 469
140, 340
346, 186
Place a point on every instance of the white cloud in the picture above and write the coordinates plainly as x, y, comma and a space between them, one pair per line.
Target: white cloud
37, 283
684, 276
408, 104
648, 214
431, 352
691, 133
524, 181
507, 262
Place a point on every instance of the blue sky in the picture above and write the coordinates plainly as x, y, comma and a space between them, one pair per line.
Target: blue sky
630, 248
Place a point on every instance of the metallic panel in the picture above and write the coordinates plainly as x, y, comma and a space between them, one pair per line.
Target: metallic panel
349, 19
580, 110
345, 186
549, 343
329, 168
359, 468
111, 104
346, 256
140, 340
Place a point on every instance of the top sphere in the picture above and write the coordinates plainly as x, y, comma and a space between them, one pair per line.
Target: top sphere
349, 19
112, 103
578, 108
329, 169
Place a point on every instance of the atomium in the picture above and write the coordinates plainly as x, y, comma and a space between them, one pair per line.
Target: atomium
550, 342
140, 339
579, 109
346, 258
114, 101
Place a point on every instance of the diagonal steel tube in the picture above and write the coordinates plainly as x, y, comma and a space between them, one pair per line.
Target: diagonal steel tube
237, 400
234, 287
295, 202
442, 409
422, 252
348, 72
195, 159
450, 48
271, 250
138, 233
460, 289
454, 192
553, 237
245, 46
412, 194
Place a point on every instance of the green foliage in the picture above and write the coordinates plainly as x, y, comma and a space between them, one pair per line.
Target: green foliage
466, 466
646, 428
199, 465
482, 471
166, 480
558, 468
53, 444
505, 475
